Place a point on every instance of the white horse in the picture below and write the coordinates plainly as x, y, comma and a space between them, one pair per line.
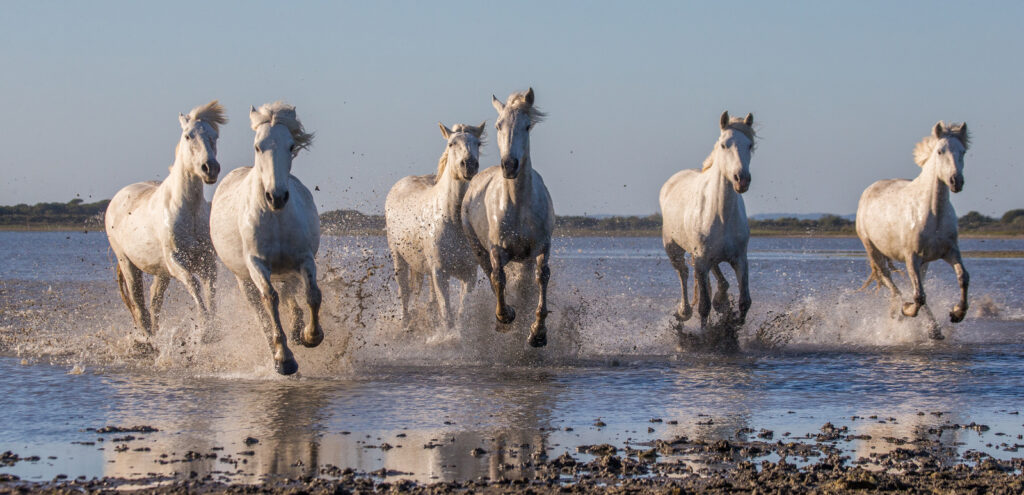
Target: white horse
163, 228
914, 221
507, 213
703, 214
263, 231
424, 223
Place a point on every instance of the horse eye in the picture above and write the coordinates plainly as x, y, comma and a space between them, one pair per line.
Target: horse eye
723, 146
257, 148
291, 148
451, 144
188, 136
942, 152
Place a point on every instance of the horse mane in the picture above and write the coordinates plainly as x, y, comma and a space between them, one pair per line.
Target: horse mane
923, 149
517, 102
443, 161
212, 113
280, 112
736, 124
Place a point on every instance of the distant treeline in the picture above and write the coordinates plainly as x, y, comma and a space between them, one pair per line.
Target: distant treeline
79, 214
73, 214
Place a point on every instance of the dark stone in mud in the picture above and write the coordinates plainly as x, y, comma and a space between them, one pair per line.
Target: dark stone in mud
250, 441
598, 450
120, 429
477, 452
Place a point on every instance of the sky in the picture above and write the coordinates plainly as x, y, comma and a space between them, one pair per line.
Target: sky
840, 92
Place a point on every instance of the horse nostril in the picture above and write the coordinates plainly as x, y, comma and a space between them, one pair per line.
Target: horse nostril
206, 169
270, 198
285, 198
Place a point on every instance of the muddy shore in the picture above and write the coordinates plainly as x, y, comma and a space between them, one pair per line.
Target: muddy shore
755, 461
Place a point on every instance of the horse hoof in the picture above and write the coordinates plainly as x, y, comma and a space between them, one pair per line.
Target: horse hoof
287, 367
910, 309
685, 315
315, 340
538, 339
507, 316
957, 315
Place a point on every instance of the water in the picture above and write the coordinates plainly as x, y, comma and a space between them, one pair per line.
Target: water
813, 350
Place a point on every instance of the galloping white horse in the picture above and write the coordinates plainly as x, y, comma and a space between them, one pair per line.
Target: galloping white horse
507, 213
163, 228
914, 221
703, 214
424, 223
264, 224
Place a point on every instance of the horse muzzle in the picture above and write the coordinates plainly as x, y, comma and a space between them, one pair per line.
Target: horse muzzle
276, 201
741, 182
510, 168
211, 170
470, 168
956, 183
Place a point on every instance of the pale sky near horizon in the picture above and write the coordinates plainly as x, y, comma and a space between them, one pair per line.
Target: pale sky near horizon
840, 91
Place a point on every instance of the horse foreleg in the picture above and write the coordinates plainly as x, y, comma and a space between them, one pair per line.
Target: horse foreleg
156, 299
742, 269
176, 265
963, 279
914, 273
439, 288
503, 312
467, 286
313, 334
721, 300
677, 257
209, 281
539, 332
403, 276
259, 273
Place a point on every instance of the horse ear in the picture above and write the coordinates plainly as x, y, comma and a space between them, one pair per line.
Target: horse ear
444, 130
749, 119
478, 131
497, 104
529, 96
937, 131
254, 117
183, 119
724, 121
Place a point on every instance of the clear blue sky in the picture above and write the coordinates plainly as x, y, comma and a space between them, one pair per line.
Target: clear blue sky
841, 91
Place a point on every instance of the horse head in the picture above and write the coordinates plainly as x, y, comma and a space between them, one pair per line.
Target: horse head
515, 119
733, 149
948, 144
279, 138
197, 148
462, 156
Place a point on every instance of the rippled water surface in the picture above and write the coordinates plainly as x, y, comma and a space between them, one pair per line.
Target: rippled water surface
417, 400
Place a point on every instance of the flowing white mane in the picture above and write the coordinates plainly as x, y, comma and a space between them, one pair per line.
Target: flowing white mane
517, 103
476, 131
736, 124
924, 149
280, 112
212, 113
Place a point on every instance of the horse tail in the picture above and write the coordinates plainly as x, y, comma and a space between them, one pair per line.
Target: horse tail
122, 285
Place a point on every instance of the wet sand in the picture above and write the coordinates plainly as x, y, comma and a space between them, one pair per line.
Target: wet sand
754, 461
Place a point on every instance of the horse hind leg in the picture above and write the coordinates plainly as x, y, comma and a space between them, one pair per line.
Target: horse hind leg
881, 273
677, 256
156, 299
439, 285
403, 276
129, 281
313, 334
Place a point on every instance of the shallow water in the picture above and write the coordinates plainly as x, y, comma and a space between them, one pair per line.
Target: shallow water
813, 350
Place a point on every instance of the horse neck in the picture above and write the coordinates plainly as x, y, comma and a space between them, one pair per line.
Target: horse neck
929, 187
451, 190
718, 192
184, 189
520, 189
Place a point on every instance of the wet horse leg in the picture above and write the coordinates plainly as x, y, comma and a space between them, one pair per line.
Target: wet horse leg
721, 300
742, 269
313, 334
677, 256
701, 292
539, 331
259, 273
130, 279
914, 273
156, 299
963, 279
439, 288
503, 312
